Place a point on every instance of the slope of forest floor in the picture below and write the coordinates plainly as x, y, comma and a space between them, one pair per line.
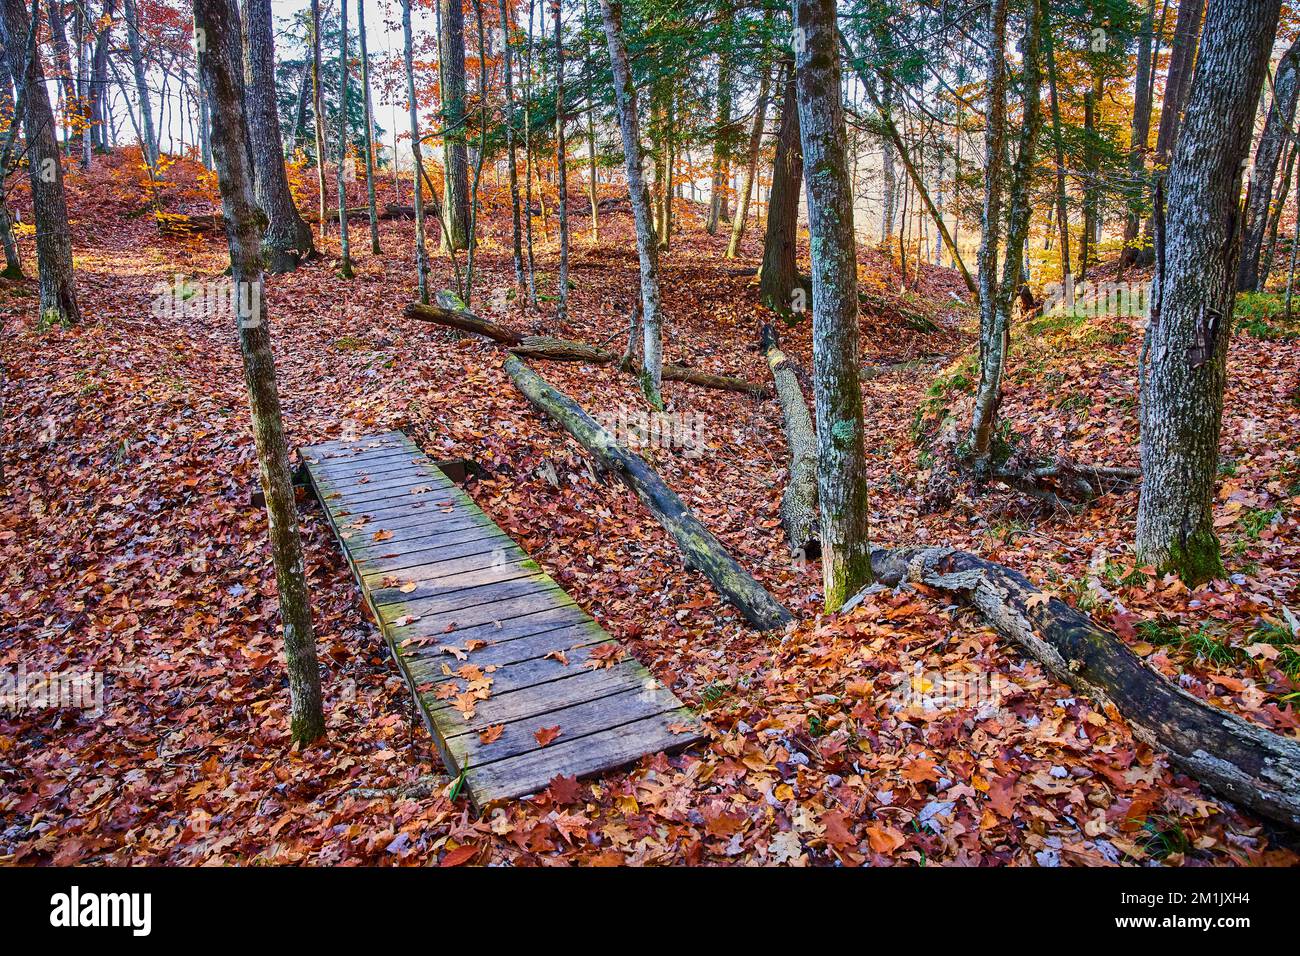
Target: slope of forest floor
903, 733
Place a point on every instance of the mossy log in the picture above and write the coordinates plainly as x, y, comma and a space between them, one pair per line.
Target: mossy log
1242, 761
548, 348
799, 500
701, 549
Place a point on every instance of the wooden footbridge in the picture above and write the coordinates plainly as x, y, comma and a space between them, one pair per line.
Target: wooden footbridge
516, 683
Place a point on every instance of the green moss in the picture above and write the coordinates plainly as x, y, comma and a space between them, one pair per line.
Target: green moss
1195, 561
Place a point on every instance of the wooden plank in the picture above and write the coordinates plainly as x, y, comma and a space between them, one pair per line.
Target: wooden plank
503, 707
458, 600
575, 722
527, 654
452, 584
595, 753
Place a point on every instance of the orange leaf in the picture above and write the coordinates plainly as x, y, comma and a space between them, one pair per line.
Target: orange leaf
545, 735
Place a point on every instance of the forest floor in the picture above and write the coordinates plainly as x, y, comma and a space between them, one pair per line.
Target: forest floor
905, 732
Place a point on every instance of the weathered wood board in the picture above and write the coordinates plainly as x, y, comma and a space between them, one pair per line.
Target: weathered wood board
495, 652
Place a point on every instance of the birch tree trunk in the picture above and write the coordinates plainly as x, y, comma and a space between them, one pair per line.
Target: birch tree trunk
721, 137
99, 78
516, 237
318, 115
345, 246
413, 117
1186, 347
751, 167
1139, 133
994, 336
647, 250
58, 26
287, 240
149, 145
370, 128
455, 200
58, 296
1277, 128
216, 21
1062, 200
562, 171
981, 435
841, 462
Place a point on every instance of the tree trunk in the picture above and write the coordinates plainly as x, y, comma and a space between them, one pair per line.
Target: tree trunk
1275, 216
700, 548
992, 350
914, 174
345, 245
889, 174
1062, 201
1185, 353
548, 348
591, 133
778, 277
99, 78
149, 145
722, 122
318, 115
751, 167
455, 201
370, 129
1139, 133
216, 22
63, 61
287, 240
841, 462
562, 172
647, 250
799, 500
58, 301
1245, 762
516, 238
1277, 128
413, 118
1187, 31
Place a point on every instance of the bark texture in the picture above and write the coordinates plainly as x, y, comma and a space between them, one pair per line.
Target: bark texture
779, 275
837, 387
1281, 118
646, 241
413, 117
1185, 351
995, 313
220, 21
287, 240
701, 549
751, 168
451, 45
149, 144
58, 301
1240, 760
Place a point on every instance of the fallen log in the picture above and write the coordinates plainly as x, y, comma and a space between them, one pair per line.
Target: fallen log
702, 550
548, 348
1244, 762
799, 500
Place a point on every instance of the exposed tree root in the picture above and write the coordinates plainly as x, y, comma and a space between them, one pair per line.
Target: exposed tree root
1242, 761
